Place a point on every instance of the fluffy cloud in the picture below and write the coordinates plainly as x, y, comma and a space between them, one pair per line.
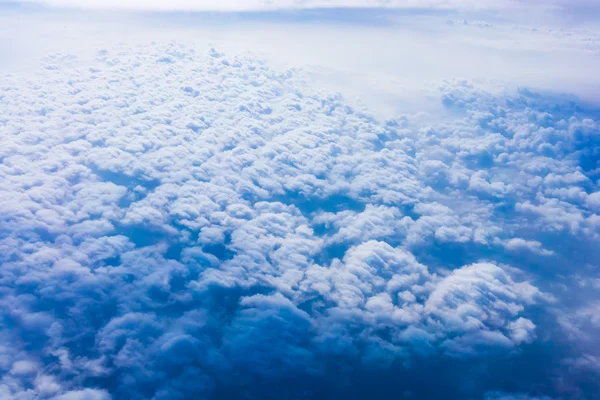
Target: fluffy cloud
178, 222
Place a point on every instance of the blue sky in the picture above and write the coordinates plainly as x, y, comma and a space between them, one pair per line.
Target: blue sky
279, 201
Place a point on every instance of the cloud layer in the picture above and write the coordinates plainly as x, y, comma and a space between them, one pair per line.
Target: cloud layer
180, 224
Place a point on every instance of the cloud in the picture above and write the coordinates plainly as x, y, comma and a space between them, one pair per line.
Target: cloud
179, 223
518, 244
90, 394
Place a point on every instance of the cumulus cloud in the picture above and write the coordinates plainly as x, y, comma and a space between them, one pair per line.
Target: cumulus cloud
90, 394
177, 222
518, 244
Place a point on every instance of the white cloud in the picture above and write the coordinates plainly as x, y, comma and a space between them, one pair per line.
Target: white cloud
85, 394
175, 210
593, 201
457, 301
518, 244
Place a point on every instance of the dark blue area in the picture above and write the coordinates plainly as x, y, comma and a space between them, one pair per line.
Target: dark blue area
219, 250
310, 204
141, 236
129, 181
332, 251
441, 378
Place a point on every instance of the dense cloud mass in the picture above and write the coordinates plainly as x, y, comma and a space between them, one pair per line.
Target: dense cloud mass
180, 224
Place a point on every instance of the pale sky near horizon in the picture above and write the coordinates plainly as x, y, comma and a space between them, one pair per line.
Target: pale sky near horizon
229, 5
387, 58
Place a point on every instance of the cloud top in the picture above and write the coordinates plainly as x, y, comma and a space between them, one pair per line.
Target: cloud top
180, 223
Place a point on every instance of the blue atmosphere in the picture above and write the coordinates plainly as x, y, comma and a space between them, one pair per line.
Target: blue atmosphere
299, 200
